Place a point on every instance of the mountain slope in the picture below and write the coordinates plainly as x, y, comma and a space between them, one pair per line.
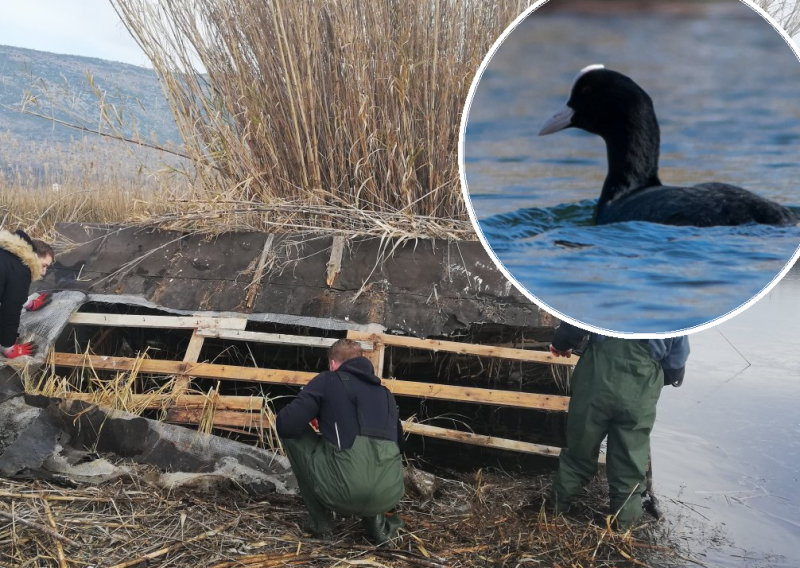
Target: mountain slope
134, 91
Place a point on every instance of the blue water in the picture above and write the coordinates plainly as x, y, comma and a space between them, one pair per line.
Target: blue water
726, 89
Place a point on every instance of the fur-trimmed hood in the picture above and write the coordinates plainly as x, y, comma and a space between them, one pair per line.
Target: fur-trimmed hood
17, 246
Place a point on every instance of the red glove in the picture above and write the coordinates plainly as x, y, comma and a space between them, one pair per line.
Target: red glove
315, 424
556, 353
39, 302
18, 350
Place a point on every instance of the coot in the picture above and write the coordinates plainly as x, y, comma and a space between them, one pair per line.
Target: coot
611, 105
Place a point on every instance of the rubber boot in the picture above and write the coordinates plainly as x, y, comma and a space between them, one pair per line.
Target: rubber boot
393, 525
320, 519
380, 529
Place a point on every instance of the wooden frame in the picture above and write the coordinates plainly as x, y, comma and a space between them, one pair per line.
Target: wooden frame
238, 412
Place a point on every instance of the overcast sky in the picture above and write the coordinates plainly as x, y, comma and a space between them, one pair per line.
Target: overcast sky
75, 27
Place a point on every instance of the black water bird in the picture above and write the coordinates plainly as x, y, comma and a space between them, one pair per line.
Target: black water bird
611, 105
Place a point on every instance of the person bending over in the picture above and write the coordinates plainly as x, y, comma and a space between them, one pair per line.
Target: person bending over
615, 387
354, 467
22, 261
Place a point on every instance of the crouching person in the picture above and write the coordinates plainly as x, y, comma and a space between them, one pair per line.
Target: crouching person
22, 261
354, 467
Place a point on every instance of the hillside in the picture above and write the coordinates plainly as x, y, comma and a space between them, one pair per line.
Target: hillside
36, 152
134, 90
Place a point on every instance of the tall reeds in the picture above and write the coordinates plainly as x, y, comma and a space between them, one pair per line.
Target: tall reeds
324, 105
785, 12
87, 181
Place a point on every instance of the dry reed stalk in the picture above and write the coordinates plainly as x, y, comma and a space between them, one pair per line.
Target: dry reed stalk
350, 105
785, 12
85, 181
62, 559
124, 523
206, 424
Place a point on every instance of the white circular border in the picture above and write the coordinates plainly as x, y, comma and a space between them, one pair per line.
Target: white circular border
520, 287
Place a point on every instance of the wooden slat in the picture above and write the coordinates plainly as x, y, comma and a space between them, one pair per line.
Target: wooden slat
192, 356
187, 401
244, 420
397, 386
466, 348
221, 418
255, 285
273, 338
334, 265
176, 322
479, 439
372, 351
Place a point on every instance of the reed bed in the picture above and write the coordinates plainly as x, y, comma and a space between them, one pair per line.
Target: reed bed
785, 12
489, 519
84, 181
322, 110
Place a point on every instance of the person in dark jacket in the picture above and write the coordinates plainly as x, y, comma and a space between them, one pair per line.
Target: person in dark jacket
354, 467
22, 261
615, 387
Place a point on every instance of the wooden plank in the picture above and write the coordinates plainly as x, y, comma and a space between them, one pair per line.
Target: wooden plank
229, 372
466, 348
334, 265
192, 355
221, 418
249, 420
372, 351
255, 285
186, 401
479, 439
273, 338
177, 322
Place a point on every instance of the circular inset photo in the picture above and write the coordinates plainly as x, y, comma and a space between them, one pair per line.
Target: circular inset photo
632, 167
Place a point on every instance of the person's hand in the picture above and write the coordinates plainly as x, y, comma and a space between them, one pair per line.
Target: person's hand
39, 302
19, 350
556, 353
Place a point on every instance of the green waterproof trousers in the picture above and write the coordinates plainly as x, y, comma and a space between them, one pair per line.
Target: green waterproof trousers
364, 480
615, 388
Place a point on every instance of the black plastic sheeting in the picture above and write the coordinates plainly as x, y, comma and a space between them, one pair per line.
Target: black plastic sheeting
423, 288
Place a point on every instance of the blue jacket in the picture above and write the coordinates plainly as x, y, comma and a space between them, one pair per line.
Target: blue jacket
672, 353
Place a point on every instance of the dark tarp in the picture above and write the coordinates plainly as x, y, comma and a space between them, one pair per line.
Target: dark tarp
422, 287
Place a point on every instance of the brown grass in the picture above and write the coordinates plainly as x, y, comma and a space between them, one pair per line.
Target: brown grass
484, 520
322, 110
85, 181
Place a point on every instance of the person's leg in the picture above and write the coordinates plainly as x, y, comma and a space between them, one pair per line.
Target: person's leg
587, 424
639, 386
628, 448
300, 452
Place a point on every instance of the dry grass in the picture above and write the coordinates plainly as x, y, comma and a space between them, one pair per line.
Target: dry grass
86, 181
484, 520
322, 111
785, 12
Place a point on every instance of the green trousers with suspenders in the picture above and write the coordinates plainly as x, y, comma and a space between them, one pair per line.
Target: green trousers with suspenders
365, 480
615, 388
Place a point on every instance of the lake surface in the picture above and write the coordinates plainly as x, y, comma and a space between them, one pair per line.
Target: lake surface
726, 445
726, 89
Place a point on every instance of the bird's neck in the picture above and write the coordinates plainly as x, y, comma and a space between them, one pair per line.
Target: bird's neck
632, 162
